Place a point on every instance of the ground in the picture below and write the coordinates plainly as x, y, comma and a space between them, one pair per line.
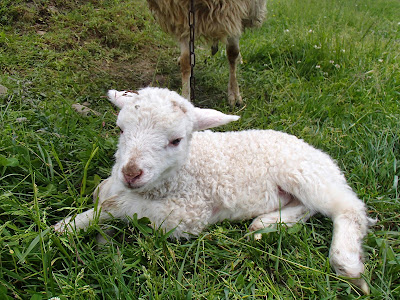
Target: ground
325, 71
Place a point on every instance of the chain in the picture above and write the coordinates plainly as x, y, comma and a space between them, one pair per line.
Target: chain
191, 48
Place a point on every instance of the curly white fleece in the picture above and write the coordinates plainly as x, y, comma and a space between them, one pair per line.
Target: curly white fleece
184, 179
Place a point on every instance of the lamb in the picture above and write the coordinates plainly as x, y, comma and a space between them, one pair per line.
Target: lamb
183, 179
215, 20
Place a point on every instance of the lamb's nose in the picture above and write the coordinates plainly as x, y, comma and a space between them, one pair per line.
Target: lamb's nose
131, 173
132, 177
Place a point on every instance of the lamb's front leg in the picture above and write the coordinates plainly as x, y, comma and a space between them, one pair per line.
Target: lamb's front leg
81, 221
106, 209
290, 214
107, 206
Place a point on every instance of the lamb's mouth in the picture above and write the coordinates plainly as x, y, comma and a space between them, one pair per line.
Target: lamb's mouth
133, 186
138, 185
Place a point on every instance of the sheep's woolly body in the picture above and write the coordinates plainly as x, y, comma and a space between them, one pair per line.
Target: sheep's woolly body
214, 19
183, 179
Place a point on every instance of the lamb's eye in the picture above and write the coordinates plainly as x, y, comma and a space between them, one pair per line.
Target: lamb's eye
176, 142
121, 131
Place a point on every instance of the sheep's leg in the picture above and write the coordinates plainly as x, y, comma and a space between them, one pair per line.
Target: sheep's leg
214, 48
184, 61
290, 214
232, 52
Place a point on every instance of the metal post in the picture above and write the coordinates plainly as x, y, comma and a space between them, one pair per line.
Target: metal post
191, 48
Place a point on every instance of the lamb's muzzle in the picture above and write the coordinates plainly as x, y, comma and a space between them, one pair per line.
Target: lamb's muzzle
131, 177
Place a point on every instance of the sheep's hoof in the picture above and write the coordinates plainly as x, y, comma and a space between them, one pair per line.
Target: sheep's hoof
235, 99
214, 48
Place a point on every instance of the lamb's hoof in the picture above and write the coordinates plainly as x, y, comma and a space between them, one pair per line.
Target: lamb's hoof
105, 237
257, 236
254, 226
63, 226
362, 284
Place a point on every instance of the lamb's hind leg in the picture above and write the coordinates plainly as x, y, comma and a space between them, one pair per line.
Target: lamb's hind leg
233, 52
290, 214
331, 196
350, 225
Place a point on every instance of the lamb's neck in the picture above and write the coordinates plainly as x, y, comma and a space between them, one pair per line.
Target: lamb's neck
173, 184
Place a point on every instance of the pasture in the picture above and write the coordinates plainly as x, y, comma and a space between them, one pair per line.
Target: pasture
325, 71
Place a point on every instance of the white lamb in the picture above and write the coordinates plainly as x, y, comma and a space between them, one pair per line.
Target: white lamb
215, 20
183, 179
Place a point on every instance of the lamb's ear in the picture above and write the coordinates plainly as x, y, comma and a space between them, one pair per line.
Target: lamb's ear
209, 118
120, 98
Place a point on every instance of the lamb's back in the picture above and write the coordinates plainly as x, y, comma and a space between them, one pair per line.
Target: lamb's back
253, 163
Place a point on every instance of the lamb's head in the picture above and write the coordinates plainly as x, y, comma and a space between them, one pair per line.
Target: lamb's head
156, 129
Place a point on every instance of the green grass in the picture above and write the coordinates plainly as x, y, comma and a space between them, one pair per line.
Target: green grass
326, 71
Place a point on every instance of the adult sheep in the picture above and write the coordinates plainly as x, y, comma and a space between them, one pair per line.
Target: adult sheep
184, 180
215, 20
